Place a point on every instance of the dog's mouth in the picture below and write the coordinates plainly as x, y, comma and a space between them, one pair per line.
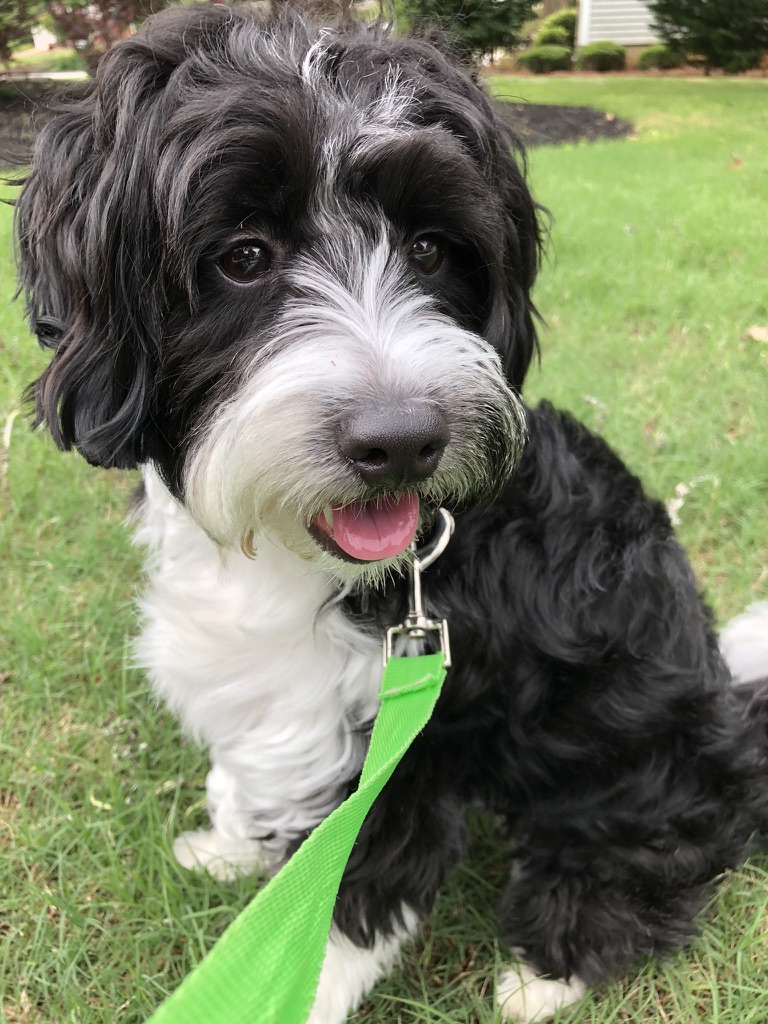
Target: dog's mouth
368, 531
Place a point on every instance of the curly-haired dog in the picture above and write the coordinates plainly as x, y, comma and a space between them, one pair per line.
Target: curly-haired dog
288, 272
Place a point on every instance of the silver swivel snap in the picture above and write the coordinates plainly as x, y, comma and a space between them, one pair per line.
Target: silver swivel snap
416, 624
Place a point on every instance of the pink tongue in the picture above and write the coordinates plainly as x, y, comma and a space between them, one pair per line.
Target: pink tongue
378, 528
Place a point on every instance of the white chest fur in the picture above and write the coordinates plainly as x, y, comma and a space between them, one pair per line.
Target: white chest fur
258, 663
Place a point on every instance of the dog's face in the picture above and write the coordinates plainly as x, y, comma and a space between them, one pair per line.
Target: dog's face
290, 268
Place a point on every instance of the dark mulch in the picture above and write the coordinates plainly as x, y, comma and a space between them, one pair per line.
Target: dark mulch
536, 124
542, 124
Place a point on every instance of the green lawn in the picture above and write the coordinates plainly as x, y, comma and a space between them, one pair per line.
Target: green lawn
60, 59
657, 271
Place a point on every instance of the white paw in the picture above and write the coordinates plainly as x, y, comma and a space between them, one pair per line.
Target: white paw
524, 996
225, 859
350, 972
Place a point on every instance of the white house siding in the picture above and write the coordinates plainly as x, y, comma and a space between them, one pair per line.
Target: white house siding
622, 21
42, 39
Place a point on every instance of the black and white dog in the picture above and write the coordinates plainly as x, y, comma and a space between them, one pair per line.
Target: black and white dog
288, 272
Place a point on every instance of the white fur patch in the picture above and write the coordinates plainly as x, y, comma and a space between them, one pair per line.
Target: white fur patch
277, 688
222, 858
350, 972
524, 996
744, 643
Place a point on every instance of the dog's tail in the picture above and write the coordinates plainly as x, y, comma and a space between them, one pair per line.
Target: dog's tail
744, 643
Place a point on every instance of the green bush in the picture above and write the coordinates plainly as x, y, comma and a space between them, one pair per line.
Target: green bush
601, 56
555, 35
475, 28
727, 34
541, 59
16, 20
566, 19
659, 56
739, 61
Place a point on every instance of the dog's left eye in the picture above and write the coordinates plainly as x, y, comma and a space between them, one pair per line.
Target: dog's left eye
427, 254
246, 262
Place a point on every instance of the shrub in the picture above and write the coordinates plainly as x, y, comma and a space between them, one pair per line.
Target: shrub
659, 56
479, 27
556, 35
742, 60
93, 26
16, 20
566, 19
727, 34
601, 56
541, 59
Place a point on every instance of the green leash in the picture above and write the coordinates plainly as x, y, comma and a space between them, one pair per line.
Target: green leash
266, 966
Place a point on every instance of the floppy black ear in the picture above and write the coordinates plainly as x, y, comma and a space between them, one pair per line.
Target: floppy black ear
73, 220
88, 242
512, 322
90, 228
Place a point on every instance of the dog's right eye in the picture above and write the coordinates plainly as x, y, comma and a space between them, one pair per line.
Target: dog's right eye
427, 254
246, 262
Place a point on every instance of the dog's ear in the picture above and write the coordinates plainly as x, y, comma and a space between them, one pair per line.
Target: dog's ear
83, 296
88, 234
511, 324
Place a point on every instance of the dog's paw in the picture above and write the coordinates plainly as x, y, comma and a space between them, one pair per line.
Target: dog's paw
524, 996
225, 859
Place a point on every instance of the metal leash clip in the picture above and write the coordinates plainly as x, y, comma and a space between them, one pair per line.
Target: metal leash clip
416, 625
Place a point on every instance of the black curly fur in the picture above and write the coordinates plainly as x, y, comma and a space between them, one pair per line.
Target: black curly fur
588, 703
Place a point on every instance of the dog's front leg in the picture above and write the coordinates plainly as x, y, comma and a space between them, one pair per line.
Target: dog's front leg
249, 832
228, 848
225, 859
350, 971
414, 834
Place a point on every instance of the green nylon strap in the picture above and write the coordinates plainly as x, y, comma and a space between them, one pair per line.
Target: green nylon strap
265, 967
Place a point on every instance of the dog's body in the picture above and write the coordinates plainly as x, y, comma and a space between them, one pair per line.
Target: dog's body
290, 273
587, 703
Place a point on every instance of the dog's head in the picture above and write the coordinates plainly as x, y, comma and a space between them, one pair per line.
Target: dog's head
291, 268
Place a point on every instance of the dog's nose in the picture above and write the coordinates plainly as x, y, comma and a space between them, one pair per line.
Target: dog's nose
395, 445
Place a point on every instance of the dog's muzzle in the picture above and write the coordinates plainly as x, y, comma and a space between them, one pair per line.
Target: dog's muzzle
395, 447
392, 449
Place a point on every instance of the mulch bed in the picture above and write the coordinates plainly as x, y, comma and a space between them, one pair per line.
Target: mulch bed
535, 124
546, 124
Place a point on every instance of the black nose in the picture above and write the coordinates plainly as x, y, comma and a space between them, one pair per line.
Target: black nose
396, 445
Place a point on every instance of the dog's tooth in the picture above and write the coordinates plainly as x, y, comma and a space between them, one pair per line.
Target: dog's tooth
328, 513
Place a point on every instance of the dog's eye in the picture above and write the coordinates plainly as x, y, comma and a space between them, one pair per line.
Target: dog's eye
427, 254
246, 262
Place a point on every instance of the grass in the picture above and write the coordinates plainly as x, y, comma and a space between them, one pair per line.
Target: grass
61, 59
655, 278
657, 272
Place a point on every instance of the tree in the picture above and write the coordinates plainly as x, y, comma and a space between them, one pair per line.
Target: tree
478, 26
16, 20
92, 26
331, 11
727, 34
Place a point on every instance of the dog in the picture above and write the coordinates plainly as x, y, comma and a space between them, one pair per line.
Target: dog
288, 272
